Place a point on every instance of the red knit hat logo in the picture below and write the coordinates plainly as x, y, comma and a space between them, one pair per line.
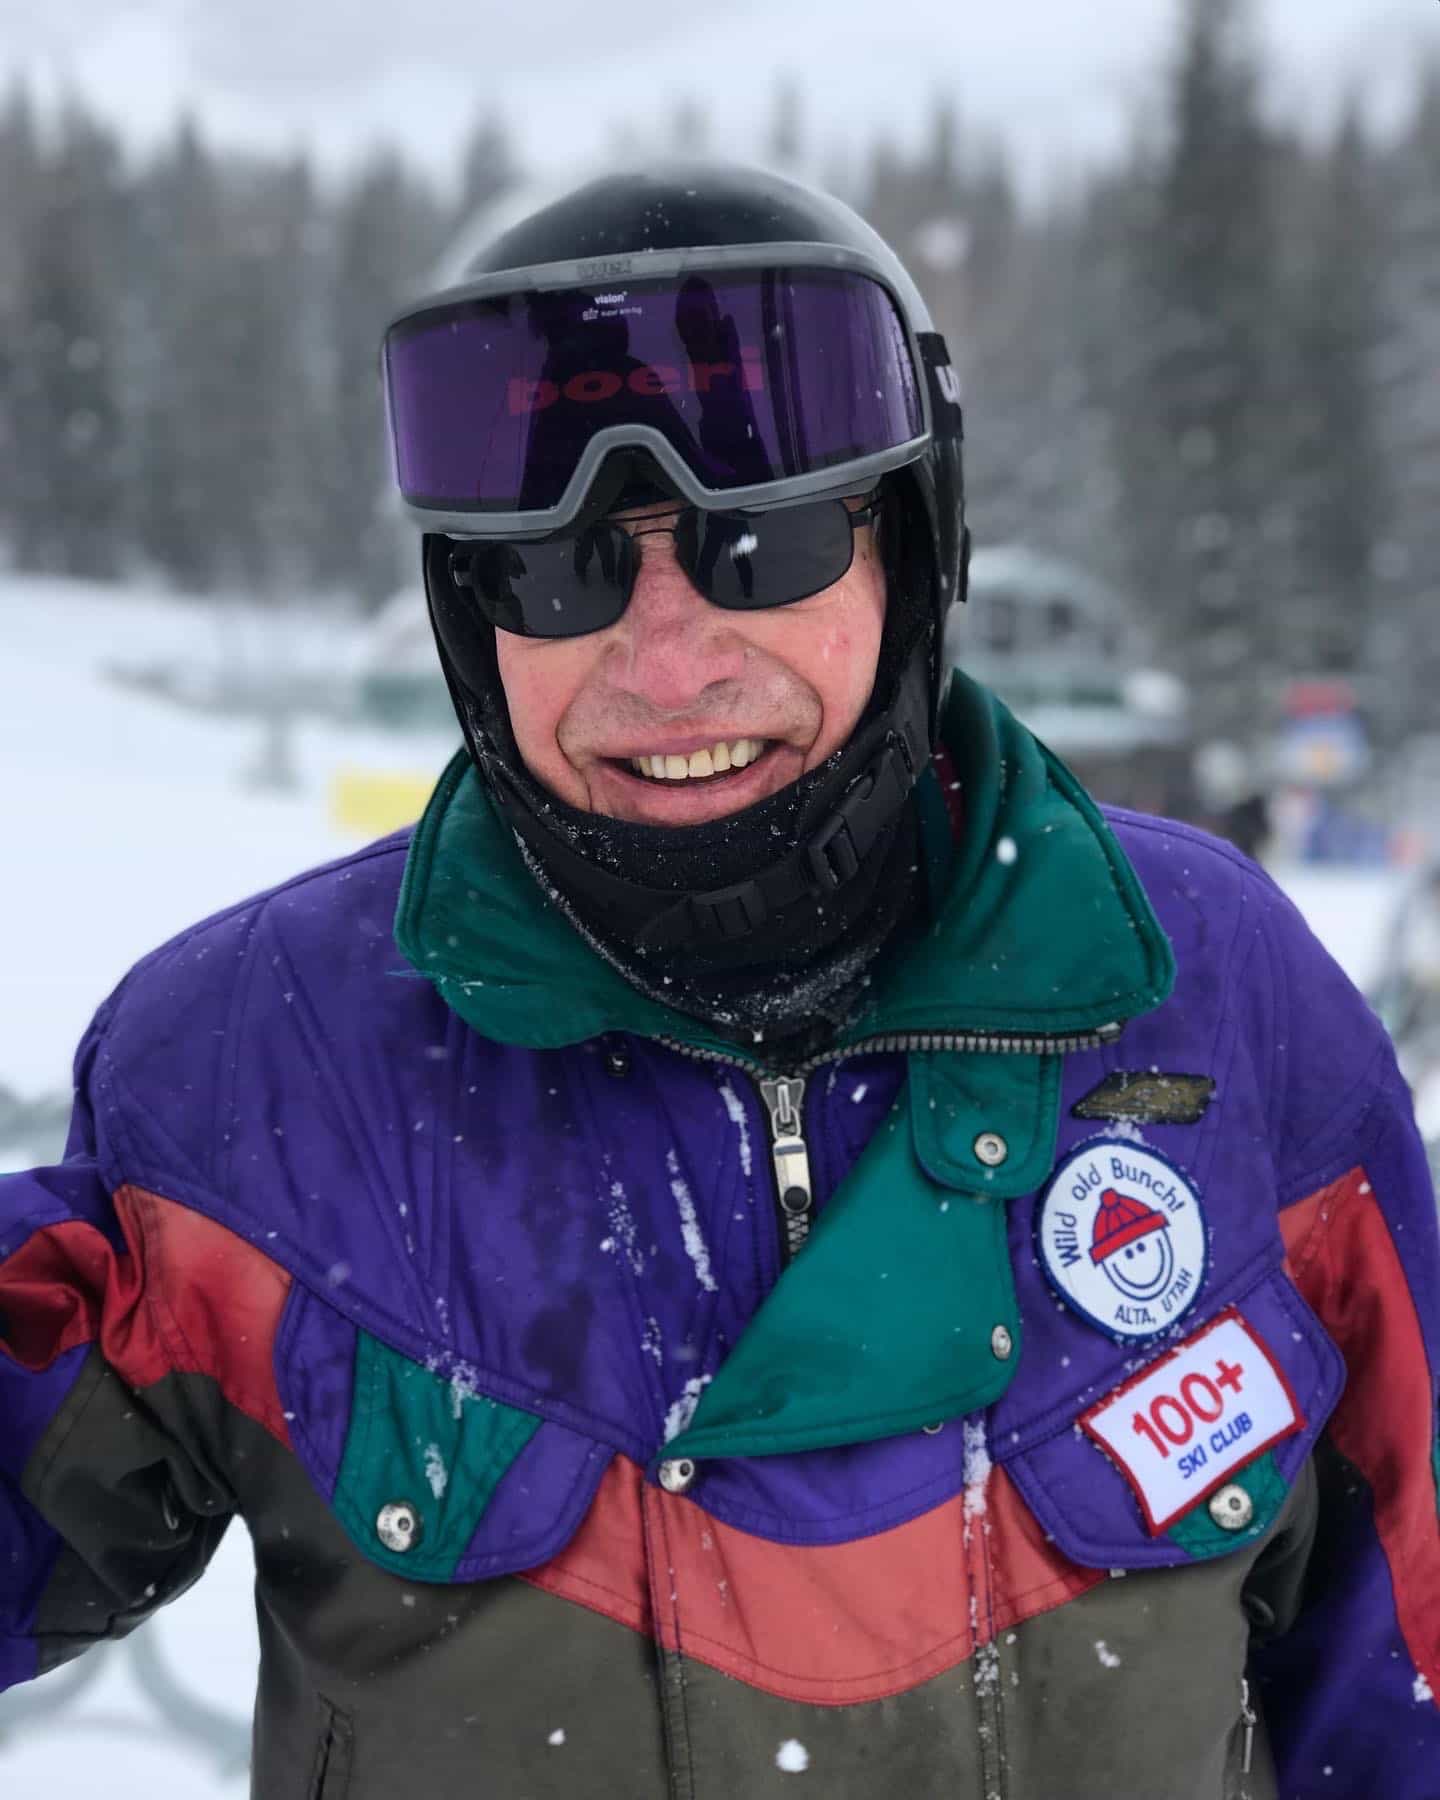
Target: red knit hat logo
1120, 1221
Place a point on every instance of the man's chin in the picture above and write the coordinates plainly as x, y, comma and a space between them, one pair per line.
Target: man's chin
618, 792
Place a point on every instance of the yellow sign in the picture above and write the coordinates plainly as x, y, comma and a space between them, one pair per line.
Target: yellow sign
372, 802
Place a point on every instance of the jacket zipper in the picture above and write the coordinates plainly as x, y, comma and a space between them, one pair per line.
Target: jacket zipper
1003, 1043
784, 1098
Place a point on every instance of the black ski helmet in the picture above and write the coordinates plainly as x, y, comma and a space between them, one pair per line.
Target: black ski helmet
633, 228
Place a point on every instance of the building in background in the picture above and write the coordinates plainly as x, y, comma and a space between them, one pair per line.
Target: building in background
1073, 660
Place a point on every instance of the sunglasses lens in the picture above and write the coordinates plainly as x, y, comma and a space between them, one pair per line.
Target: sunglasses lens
555, 588
756, 560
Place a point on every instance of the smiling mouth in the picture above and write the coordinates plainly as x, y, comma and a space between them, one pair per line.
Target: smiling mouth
722, 758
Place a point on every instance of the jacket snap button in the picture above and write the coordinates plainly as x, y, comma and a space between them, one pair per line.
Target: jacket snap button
991, 1149
1001, 1343
617, 1061
677, 1474
1232, 1509
397, 1525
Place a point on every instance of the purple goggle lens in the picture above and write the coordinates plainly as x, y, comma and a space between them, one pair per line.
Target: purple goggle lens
748, 378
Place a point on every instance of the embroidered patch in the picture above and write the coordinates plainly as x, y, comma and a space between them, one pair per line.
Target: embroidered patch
1122, 1237
1146, 1097
1182, 1427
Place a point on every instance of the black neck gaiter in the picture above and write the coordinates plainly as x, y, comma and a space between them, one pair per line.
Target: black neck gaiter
784, 991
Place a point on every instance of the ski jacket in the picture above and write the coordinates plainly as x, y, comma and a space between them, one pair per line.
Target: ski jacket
1034, 1396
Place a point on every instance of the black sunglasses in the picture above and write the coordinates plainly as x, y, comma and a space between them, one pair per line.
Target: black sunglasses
560, 587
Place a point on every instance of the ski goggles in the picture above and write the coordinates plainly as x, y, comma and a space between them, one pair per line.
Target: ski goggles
559, 587
748, 385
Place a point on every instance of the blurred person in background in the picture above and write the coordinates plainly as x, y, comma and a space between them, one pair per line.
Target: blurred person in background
769, 1234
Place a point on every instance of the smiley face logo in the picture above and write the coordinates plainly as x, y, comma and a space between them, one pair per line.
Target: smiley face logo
1122, 1237
1131, 1243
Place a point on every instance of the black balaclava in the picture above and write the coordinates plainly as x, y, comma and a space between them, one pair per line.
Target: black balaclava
786, 989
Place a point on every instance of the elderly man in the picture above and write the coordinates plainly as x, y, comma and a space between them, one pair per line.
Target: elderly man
768, 1237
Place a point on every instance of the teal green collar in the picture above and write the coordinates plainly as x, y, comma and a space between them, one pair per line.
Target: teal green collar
1041, 926
1039, 930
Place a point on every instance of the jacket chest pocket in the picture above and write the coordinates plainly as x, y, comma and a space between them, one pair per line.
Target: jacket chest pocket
1190, 1449
431, 1479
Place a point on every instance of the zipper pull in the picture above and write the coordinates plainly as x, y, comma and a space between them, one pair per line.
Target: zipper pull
784, 1099
1250, 1719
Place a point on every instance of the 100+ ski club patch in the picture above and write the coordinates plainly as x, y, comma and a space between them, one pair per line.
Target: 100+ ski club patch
1122, 1238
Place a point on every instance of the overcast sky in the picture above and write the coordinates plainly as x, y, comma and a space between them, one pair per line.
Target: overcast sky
1061, 80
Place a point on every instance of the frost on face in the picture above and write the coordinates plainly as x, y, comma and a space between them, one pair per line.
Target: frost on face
736, 1109
695, 1247
1105, 1656
435, 1471
792, 1757
683, 1411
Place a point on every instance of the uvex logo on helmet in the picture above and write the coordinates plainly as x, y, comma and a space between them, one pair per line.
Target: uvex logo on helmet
590, 387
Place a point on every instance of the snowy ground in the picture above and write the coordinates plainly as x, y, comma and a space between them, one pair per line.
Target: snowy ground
127, 817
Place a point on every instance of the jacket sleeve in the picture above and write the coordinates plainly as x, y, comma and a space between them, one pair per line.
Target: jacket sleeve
1349, 1684
108, 1504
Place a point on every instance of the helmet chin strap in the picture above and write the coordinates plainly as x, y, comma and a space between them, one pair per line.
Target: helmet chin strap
861, 797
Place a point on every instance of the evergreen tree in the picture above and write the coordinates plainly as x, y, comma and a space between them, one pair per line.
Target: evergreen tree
689, 128
191, 329
1332, 464
1195, 421
272, 423
67, 471
19, 187
388, 232
785, 144
487, 168
1407, 423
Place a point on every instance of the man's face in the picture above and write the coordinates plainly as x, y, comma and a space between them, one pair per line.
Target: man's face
677, 678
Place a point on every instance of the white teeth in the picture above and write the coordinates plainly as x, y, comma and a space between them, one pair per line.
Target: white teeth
668, 766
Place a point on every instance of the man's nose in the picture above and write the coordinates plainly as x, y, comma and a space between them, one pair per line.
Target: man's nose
670, 642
